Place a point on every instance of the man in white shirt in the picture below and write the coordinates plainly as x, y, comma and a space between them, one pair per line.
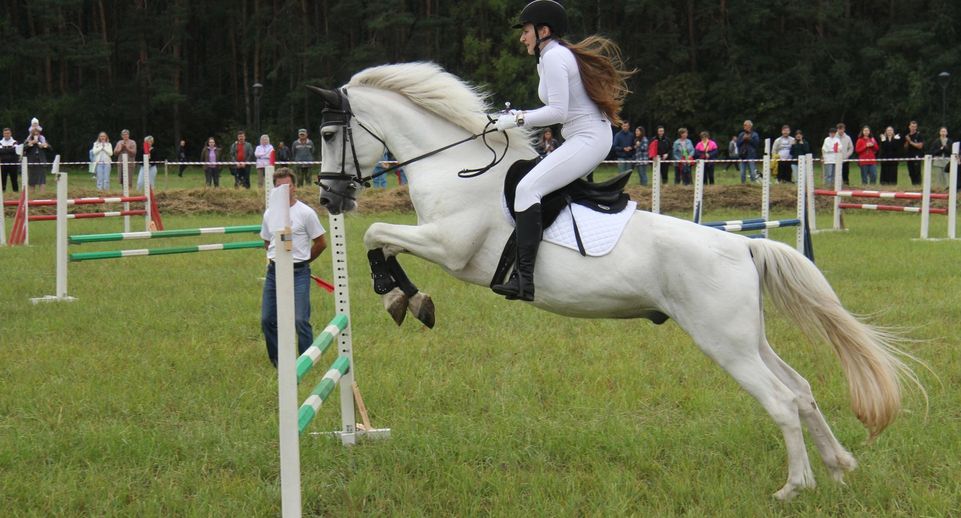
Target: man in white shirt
829, 152
782, 148
308, 244
847, 149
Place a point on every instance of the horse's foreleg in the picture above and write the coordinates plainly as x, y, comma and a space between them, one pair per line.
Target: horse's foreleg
384, 242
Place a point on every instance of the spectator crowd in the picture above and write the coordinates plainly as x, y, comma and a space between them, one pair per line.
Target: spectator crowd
876, 155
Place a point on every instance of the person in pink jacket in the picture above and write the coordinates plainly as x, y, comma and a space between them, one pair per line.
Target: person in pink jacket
867, 151
706, 149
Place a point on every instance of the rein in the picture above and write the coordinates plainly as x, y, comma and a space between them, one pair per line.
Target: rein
342, 117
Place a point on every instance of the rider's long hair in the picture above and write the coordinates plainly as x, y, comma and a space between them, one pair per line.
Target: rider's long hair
602, 72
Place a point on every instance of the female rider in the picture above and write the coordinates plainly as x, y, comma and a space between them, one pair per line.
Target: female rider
583, 86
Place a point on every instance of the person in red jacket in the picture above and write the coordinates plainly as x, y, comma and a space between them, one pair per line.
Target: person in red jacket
867, 150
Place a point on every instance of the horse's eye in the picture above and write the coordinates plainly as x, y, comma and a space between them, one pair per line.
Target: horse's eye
328, 136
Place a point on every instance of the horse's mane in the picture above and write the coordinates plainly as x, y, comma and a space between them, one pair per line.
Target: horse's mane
430, 87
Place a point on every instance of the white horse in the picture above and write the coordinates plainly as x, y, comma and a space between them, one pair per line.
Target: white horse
709, 282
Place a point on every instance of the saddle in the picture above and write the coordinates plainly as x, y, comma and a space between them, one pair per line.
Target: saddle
606, 197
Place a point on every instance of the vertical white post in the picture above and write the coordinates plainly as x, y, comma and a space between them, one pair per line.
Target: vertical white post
953, 191
926, 196
279, 225
809, 192
766, 185
25, 185
124, 182
3, 220
60, 294
802, 175
698, 191
147, 191
268, 185
338, 258
838, 185
656, 186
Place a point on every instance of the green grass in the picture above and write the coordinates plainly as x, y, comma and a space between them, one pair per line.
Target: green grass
152, 396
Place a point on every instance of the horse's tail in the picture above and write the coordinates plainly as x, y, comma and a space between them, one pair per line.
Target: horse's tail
869, 356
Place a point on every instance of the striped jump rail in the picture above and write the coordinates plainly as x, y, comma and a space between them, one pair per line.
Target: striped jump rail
317, 349
733, 222
759, 225
879, 194
890, 208
80, 201
89, 215
184, 232
321, 392
116, 254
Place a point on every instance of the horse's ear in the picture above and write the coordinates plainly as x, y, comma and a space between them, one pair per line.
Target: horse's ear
330, 97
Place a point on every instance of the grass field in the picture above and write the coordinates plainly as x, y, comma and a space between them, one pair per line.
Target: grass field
152, 396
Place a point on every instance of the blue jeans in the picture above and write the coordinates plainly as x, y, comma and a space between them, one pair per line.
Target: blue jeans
268, 311
153, 177
642, 172
829, 175
745, 166
869, 174
623, 165
103, 177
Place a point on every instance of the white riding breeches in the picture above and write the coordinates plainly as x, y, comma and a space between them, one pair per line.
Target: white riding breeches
587, 144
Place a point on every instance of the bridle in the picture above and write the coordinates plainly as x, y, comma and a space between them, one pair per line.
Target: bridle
338, 113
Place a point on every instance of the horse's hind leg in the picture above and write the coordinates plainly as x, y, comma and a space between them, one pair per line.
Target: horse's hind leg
736, 351
837, 459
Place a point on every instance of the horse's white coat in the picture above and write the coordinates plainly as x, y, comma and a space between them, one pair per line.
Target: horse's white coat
709, 282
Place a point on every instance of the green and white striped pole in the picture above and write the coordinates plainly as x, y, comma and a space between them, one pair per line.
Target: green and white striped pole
183, 232
116, 254
312, 355
321, 392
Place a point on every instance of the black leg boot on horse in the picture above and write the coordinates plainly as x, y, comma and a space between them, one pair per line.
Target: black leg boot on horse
529, 230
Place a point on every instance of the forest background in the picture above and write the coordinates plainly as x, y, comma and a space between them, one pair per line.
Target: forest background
185, 69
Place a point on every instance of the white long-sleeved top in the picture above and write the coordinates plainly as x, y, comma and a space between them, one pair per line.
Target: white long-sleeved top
830, 149
262, 153
102, 151
561, 90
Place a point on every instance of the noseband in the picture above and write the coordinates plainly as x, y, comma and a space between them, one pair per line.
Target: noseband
341, 115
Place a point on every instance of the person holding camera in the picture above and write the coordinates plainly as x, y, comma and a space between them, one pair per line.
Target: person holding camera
748, 142
35, 148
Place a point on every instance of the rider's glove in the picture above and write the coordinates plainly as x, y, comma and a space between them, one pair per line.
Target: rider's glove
505, 122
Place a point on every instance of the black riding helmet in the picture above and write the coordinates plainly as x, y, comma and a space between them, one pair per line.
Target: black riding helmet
544, 12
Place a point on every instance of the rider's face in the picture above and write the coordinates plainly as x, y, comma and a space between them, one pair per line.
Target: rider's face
528, 38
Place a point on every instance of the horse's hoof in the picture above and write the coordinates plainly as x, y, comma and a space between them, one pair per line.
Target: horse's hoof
422, 307
395, 302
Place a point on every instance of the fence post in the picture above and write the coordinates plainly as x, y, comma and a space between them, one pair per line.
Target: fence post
338, 242
279, 226
953, 192
809, 192
3, 219
838, 185
147, 191
766, 185
698, 191
656, 186
125, 183
25, 185
801, 179
60, 293
926, 197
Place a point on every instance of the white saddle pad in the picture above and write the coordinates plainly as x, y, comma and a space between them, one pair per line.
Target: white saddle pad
599, 232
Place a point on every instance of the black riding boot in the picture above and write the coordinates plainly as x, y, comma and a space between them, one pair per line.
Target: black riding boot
529, 233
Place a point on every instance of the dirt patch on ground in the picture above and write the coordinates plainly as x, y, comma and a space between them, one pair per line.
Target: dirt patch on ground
673, 199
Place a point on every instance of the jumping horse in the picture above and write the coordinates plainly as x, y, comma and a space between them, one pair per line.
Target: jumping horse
709, 282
